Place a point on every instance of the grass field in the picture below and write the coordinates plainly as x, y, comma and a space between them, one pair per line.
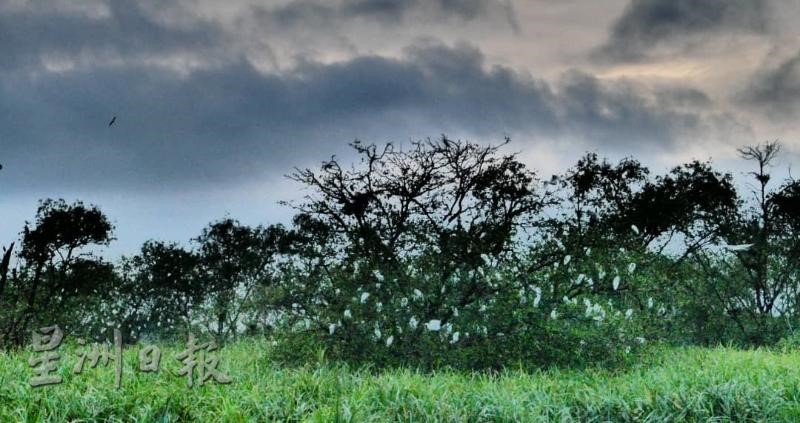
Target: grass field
676, 385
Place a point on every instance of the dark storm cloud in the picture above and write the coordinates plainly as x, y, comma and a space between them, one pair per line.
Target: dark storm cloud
231, 121
622, 113
649, 24
395, 9
127, 33
315, 12
775, 91
234, 122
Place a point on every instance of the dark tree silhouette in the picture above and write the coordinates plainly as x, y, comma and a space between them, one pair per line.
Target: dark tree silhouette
52, 253
5, 263
159, 286
234, 260
461, 198
605, 207
441, 204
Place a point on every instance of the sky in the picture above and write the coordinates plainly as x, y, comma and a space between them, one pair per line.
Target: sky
216, 101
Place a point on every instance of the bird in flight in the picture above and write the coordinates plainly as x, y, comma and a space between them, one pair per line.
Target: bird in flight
113, 119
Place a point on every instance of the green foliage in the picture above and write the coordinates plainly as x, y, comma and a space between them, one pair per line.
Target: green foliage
691, 384
489, 317
234, 260
790, 342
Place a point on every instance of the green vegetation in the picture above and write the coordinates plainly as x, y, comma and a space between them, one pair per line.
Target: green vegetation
587, 296
681, 384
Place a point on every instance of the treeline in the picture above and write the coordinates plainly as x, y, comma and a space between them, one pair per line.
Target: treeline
447, 252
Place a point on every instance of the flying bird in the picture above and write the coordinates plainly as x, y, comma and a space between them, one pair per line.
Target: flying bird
113, 119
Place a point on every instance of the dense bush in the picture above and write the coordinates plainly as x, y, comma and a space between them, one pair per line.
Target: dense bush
419, 316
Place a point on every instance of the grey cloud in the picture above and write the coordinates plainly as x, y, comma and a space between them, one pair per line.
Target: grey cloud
135, 32
637, 117
332, 13
649, 24
234, 123
395, 9
128, 32
775, 91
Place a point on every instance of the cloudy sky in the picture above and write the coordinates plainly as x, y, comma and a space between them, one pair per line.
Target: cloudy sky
217, 100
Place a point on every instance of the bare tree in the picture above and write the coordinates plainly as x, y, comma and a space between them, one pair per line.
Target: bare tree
460, 198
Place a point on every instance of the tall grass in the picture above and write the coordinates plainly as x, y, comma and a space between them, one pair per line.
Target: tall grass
691, 384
